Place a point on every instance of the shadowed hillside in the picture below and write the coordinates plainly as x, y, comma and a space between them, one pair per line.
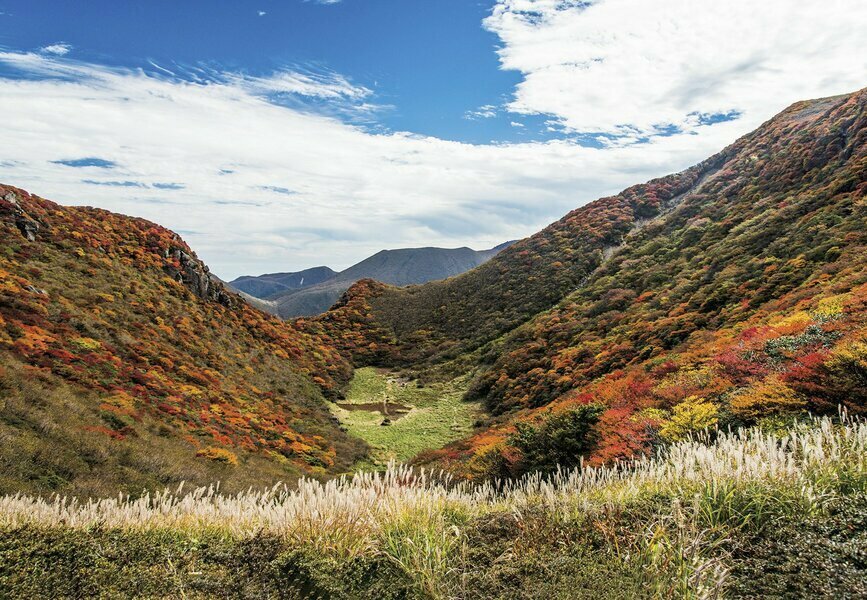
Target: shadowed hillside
406, 266
271, 284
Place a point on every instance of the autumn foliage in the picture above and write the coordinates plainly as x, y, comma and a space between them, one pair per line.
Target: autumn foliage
100, 301
720, 296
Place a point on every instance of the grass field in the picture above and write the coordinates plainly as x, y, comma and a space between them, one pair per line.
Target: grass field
436, 417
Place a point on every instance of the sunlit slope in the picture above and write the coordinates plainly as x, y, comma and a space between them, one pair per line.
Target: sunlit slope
734, 291
115, 341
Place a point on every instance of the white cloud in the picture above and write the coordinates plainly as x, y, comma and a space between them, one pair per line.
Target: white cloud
59, 49
257, 184
487, 111
628, 67
314, 85
262, 13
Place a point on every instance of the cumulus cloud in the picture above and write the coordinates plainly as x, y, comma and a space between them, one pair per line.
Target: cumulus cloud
633, 68
263, 183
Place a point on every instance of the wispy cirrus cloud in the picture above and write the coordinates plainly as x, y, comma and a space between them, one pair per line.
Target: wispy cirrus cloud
326, 85
301, 88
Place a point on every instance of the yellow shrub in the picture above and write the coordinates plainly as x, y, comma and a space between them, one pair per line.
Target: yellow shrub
692, 415
831, 307
768, 397
86, 343
849, 357
800, 318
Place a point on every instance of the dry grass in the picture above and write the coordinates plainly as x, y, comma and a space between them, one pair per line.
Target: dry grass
420, 521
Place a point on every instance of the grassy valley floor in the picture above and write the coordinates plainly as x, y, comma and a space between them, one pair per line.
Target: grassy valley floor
419, 418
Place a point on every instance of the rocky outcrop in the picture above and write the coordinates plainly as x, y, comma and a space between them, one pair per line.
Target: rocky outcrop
27, 225
197, 277
185, 267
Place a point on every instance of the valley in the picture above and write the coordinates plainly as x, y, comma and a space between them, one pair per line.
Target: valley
662, 394
418, 417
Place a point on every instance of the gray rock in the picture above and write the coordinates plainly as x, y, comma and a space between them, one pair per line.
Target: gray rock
36, 290
198, 279
27, 226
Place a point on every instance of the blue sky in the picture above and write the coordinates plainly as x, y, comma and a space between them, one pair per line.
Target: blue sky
278, 135
429, 63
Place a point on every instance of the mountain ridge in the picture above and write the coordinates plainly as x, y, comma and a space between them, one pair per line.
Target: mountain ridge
269, 284
400, 267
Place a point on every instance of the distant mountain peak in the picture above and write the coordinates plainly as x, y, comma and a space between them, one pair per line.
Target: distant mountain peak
270, 284
394, 266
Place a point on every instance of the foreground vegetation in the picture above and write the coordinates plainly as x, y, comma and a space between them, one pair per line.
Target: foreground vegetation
748, 514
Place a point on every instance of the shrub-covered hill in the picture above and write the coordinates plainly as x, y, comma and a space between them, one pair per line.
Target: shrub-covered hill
123, 363
727, 293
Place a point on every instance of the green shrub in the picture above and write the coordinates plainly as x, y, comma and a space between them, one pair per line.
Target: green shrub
559, 441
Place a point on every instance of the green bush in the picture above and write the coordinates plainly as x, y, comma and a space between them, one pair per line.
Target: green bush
559, 441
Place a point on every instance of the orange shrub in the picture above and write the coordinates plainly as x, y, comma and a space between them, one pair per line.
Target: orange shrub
218, 454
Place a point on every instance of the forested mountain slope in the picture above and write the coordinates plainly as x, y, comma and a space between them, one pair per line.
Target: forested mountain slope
443, 319
730, 292
123, 363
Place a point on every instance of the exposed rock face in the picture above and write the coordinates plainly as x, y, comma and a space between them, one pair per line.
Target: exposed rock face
26, 225
28, 228
197, 277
